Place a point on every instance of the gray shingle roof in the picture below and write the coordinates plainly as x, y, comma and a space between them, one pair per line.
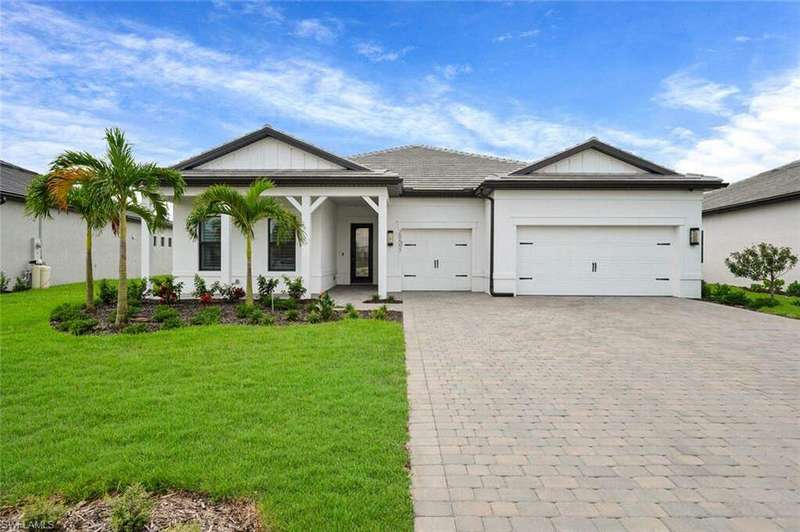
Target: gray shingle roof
430, 168
772, 185
14, 180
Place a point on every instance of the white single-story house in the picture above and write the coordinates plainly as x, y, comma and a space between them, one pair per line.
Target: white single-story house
762, 208
591, 220
59, 242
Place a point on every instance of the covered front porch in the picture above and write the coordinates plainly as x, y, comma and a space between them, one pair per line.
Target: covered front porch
345, 242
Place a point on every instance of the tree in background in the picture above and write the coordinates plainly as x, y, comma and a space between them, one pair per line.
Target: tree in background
762, 263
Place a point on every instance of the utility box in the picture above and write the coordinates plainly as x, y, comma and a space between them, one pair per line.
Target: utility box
40, 276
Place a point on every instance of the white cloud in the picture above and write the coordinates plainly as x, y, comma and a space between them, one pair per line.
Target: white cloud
451, 71
684, 91
378, 54
266, 10
321, 31
764, 136
742, 38
682, 133
502, 38
521, 35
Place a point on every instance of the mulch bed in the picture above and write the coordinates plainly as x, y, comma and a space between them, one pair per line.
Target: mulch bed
187, 308
169, 509
383, 301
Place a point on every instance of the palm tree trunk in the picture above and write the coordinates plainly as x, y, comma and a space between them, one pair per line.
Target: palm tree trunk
89, 273
122, 285
249, 281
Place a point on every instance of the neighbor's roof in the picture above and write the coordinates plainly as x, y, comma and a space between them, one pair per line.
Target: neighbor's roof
14, 180
430, 168
778, 184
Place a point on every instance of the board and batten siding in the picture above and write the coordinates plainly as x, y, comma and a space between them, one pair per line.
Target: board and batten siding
269, 153
589, 161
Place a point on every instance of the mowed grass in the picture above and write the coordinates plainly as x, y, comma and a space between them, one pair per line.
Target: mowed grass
786, 307
308, 420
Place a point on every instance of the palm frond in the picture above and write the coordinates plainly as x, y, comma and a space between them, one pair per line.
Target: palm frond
39, 202
258, 187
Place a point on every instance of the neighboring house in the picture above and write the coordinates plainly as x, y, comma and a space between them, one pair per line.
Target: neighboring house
590, 220
762, 208
62, 239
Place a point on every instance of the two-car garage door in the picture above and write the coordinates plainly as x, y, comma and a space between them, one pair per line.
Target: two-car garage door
436, 259
594, 260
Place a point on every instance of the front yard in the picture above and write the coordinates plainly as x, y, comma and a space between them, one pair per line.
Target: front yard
786, 306
309, 421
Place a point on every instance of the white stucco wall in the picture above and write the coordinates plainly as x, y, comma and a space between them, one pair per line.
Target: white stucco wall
724, 233
678, 209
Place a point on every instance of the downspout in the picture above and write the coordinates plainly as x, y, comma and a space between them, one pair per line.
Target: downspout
491, 248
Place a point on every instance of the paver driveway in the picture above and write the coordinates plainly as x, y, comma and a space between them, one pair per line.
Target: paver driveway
542, 413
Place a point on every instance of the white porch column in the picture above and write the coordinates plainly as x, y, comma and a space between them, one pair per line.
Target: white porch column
147, 244
383, 200
225, 248
305, 247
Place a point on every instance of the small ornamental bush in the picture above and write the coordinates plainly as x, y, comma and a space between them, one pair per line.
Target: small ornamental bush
200, 288
314, 316
107, 292
351, 312
21, 284
325, 306
380, 313
256, 316
163, 313
243, 311
206, 298
3, 282
207, 316
66, 312
796, 302
390, 299
82, 326
230, 292
268, 319
42, 513
137, 289
172, 323
375, 298
130, 512
294, 287
285, 304
763, 302
735, 297
165, 288
135, 328
292, 315
793, 289
266, 287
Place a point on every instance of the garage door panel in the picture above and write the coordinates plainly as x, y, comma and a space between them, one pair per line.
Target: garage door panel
437, 259
594, 260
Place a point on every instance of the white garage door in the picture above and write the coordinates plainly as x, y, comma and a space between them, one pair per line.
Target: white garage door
594, 260
436, 259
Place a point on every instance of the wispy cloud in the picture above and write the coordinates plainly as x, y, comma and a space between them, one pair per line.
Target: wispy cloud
266, 10
685, 91
764, 136
529, 34
452, 71
378, 54
322, 31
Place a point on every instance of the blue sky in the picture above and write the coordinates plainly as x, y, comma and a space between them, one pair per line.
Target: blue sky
704, 87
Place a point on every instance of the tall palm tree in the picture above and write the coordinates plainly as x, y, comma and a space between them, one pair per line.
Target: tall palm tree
127, 186
245, 210
68, 192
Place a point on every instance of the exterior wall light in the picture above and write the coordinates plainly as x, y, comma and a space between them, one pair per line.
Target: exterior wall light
694, 236
390, 238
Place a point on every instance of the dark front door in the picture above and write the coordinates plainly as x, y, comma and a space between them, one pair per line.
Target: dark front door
361, 253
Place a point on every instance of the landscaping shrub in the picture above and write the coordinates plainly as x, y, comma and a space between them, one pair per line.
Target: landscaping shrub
294, 287
285, 304
135, 328
314, 316
325, 306
268, 319
351, 312
796, 302
81, 326
207, 316
292, 315
137, 289
379, 313
256, 316
734, 297
172, 323
243, 311
3, 282
762, 302
163, 313
165, 288
375, 298
42, 513
67, 312
21, 284
107, 292
200, 288
130, 512
230, 292
266, 287
206, 298
134, 310
793, 289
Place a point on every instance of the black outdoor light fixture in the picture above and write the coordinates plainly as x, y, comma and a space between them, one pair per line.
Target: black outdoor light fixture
390, 238
694, 236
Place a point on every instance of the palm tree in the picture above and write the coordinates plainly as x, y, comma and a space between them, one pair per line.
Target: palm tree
127, 186
64, 192
245, 210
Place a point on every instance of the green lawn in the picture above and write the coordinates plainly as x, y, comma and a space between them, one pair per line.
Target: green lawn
786, 308
308, 420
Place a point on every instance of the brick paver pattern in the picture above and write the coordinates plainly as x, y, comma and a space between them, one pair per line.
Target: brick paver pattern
629, 414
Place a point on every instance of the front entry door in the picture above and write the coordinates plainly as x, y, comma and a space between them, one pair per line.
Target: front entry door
361, 253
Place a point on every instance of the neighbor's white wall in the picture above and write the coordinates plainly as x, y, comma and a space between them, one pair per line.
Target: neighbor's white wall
64, 246
678, 209
439, 213
272, 154
724, 233
590, 161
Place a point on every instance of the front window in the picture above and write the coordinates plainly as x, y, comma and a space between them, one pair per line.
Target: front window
211, 244
281, 255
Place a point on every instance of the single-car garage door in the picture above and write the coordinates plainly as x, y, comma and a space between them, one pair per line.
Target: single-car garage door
594, 260
436, 259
